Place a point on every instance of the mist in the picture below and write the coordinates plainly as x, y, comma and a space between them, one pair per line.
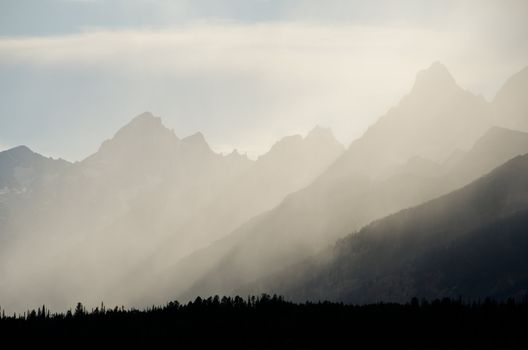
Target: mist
152, 216
213, 150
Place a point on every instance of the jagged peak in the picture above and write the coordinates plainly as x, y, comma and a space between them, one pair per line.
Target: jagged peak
22, 149
145, 115
435, 77
196, 140
20, 152
145, 119
235, 154
197, 137
515, 84
144, 124
319, 132
144, 129
24, 154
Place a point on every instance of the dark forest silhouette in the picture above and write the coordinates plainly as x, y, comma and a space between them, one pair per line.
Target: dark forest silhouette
270, 321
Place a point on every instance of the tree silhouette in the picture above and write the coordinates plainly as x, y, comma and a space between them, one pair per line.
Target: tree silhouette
79, 310
269, 322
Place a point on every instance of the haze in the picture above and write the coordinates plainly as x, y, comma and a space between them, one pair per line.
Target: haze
155, 150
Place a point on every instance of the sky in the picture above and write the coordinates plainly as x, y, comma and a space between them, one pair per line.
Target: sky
243, 72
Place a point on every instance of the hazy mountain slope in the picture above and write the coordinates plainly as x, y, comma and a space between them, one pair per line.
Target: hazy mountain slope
290, 165
144, 163
23, 173
472, 243
144, 196
21, 169
355, 190
250, 254
191, 182
510, 105
495, 147
147, 198
436, 118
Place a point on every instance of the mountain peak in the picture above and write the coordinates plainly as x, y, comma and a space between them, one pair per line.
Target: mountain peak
236, 155
22, 149
514, 88
141, 126
196, 141
144, 132
319, 132
195, 138
510, 106
21, 153
435, 77
145, 119
323, 137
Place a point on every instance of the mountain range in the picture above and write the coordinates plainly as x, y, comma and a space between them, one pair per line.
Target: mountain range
419, 150
144, 196
151, 216
470, 243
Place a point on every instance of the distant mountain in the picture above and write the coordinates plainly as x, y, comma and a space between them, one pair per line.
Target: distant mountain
23, 173
21, 168
495, 147
510, 106
471, 243
146, 196
290, 165
416, 152
145, 167
148, 201
144, 151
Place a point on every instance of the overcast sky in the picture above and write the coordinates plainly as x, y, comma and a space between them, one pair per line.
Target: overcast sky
244, 72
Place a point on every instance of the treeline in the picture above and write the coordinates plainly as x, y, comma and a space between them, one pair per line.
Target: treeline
271, 321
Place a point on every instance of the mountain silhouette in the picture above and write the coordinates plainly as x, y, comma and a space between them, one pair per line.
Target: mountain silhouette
21, 168
429, 125
433, 120
435, 79
291, 164
152, 216
510, 105
145, 198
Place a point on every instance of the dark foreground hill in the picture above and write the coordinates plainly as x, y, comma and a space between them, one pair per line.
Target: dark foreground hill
270, 322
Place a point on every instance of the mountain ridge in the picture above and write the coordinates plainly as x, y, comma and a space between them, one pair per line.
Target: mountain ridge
142, 196
148, 201
380, 262
330, 205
